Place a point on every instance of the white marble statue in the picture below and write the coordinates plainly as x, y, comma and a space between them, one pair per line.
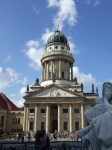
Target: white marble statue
99, 132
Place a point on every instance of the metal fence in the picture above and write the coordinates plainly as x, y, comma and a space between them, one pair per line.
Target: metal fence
59, 145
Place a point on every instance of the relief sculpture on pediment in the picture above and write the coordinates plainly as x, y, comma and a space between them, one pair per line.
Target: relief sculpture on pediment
54, 93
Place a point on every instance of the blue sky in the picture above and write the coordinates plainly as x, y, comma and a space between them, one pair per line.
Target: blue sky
25, 26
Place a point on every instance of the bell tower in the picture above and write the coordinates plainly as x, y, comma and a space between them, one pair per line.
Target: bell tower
57, 61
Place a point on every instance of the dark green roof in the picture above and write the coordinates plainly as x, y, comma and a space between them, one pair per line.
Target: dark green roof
57, 36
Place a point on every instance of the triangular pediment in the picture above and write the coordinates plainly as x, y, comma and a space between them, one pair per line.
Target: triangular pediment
54, 91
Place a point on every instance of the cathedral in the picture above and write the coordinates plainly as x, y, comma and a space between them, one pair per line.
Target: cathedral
57, 103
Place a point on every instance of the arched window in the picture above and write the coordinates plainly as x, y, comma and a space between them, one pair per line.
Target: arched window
2, 121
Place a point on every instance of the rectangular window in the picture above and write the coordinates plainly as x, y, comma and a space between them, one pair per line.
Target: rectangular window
76, 110
31, 126
64, 125
42, 125
42, 111
76, 125
65, 110
18, 120
62, 74
32, 110
14, 120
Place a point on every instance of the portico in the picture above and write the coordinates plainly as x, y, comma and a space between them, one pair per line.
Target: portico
58, 102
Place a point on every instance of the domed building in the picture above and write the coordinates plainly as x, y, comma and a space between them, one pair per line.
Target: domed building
58, 102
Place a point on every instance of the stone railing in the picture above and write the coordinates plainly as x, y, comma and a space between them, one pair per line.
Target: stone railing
55, 145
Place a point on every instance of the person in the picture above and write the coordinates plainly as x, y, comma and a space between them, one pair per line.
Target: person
58, 136
77, 136
52, 137
19, 136
45, 141
99, 131
29, 136
22, 136
38, 135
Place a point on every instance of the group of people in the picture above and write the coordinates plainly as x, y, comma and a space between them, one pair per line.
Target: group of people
99, 130
55, 136
41, 140
21, 136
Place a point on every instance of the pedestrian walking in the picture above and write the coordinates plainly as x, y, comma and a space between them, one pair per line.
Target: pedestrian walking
29, 136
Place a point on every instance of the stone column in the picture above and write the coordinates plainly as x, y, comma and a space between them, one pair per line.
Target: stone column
59, 118
59, 69
51, 68
47, 118
71, 72
24, 124
67, 71
27, 118
35, 121
70, 118
42, 73
82, 115
47, 71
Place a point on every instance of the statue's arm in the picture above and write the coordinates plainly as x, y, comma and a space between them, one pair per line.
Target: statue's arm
84, 131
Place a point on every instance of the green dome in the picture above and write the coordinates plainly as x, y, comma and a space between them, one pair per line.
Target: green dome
57, 37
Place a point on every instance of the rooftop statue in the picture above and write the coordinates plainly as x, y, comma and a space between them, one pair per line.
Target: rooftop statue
99, 131
36, 81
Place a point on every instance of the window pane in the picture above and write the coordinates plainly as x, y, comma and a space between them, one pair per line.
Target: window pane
62, 74
42, 111
65, 110
76, 110
31, 126
32, 110
42, 125
76, 125
18, 120
65, 126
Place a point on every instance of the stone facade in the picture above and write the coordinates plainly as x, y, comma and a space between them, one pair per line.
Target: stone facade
58, 102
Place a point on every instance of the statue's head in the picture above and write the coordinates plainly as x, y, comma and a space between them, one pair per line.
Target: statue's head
107, 90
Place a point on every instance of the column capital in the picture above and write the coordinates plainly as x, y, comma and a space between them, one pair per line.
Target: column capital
82, 103
48, 104
37, 104
59, 104
26, 105
70, 104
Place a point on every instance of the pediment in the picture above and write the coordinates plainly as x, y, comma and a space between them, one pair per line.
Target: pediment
54, 91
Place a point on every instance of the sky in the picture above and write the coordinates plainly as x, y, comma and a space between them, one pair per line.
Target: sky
25, 26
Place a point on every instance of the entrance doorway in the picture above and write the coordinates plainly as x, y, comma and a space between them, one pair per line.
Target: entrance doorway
54, 126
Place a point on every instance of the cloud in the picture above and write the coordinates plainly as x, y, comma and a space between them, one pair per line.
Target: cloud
86, 79
9, 77
72, 45
46, 35
35, 49
7, 59
93, 2
35, 10
66, 12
